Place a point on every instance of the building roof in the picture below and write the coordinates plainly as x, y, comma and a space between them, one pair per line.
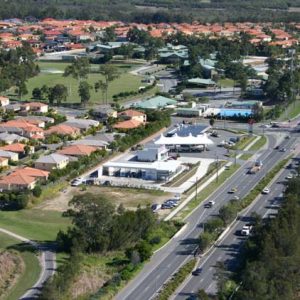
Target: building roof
35, 104
201, 81
77, 150
90, 142
200, 139
18, 179
32, 172
129, 124
156, 102
53, 158
82, 123
62, 129
17, 147
131, 113
170, 166
10, 137
8, 154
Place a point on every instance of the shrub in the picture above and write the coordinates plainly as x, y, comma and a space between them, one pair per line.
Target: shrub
37, 191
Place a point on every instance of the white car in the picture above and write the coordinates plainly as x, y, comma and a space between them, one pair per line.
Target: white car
265, 191
210, 204
236, 198
246, 230
290, 176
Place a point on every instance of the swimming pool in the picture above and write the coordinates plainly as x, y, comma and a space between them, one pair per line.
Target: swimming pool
231, 112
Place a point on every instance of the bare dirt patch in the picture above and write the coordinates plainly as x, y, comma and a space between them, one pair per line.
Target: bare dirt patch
130, 198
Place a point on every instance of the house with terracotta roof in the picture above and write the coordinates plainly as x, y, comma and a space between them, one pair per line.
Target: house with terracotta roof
63, 129
127, 125
4, 101
131, 114
77, 150
18, 148
52, 161
18, 182
32, 172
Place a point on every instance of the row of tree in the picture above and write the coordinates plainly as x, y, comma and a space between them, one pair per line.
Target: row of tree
271, 257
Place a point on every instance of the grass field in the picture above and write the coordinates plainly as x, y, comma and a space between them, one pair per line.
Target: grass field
32, 268
292, 111
259, 144
33, 223
125, 83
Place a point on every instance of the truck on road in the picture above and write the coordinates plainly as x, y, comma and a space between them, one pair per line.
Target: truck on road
256, 167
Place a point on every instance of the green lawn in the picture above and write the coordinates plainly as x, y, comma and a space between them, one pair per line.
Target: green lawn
246, 156
32, 267
33, 223
259, 144
292, 111
226, 82
125, 83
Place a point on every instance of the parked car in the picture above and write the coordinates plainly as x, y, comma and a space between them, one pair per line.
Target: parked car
246, 230
289, 176
166, 206
155, 207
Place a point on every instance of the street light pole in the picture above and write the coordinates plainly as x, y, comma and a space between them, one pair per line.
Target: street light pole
217, 161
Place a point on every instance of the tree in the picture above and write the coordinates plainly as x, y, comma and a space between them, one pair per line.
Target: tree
37, 93
57, 93
110, 73
227, 213
22, 89
84, 92
100, 85
92, 216
79, 69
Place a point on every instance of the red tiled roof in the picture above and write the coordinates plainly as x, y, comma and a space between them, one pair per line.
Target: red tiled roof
77, 150
130, 124
17, 147
63, 130
131, 113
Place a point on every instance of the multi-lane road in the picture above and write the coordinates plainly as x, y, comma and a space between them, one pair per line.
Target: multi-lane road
228, 247
166, 262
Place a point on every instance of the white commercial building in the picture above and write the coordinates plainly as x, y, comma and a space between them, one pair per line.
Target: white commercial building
153, 153
189, 141
156, 171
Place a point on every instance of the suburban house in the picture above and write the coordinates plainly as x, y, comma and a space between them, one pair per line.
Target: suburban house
18, 148
35, 122
11, 138
129, 124
18, 182
32, 172
63, 129
173, 54
46, 120
4, 101
131, 114
36, 107
52, 161
82, 124
102, 145
77, 150
12, 156
23, 128
3, 162
104, 112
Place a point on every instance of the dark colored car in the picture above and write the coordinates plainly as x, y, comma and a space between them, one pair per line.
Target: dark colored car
197, 272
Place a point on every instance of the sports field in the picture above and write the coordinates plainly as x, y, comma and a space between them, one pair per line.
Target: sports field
52, 73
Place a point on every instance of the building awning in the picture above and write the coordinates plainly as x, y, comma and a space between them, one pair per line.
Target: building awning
200, 139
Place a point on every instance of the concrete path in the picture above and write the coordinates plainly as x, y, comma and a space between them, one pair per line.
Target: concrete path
47, 259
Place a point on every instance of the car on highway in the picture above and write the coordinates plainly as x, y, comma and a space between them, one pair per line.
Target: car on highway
246, 230
209, 204
236, 198
283, 150
289, 176
232, 191
197, 272
265, 191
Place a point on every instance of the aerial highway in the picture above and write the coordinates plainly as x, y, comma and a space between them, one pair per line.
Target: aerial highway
166, 261
228, 247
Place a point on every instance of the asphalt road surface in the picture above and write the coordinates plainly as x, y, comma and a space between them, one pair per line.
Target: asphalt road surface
228, 248
166, 262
